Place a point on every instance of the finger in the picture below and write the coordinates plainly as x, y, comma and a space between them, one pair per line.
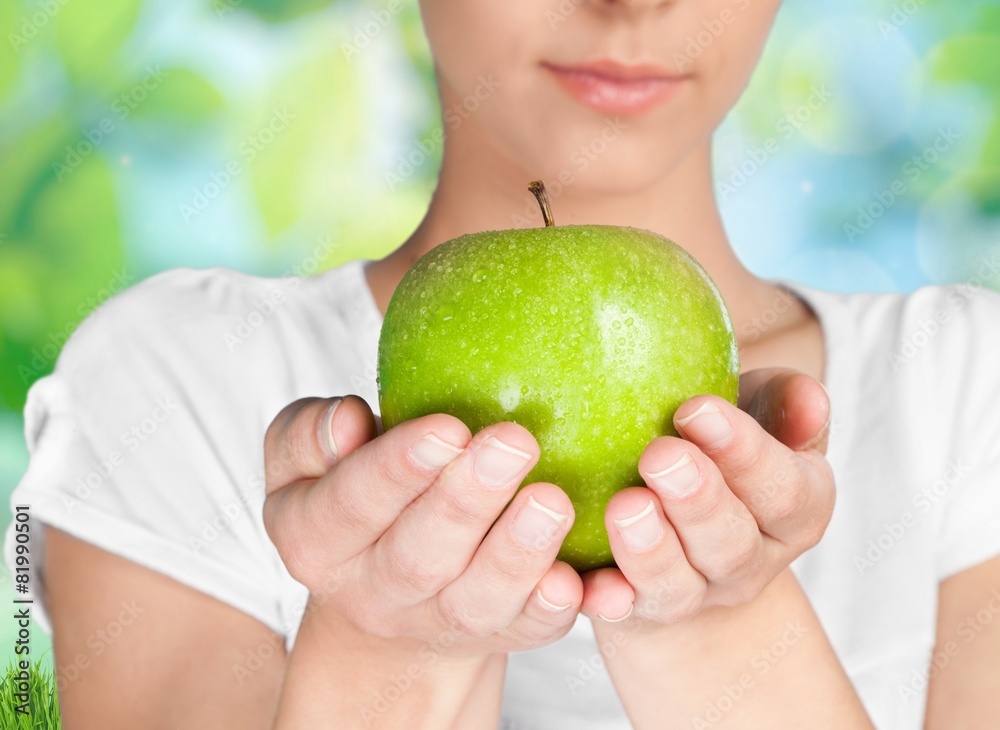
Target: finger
435, 538
607, 596
791, 406
719, 535
363, 495
652, 555
551, 610
308, 436
789, 494
509, 565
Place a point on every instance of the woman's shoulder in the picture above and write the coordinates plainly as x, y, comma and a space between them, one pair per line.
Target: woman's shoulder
919, 367
947, 324
218, 318
211, 305
210, 337
913, 442
925, 331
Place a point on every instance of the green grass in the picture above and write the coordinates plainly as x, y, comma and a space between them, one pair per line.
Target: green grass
43, 712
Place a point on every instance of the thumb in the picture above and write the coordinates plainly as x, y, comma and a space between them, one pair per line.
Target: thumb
790, 405
309, 436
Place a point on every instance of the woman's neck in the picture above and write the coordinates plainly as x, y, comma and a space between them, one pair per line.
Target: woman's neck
479, 190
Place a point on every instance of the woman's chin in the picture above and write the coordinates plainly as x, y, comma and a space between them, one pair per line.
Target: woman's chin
607, 165
610, 178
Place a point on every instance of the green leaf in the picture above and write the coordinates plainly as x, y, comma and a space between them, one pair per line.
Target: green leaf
411, 30
75, 222
302, 138
25, 165
970, 58
983, 186
11, 44
88, 35
273, 11
989, 20
381, 222
182, 95
68, 257
22, 310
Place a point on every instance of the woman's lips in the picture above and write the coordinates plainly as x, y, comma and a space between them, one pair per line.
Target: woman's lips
612, 88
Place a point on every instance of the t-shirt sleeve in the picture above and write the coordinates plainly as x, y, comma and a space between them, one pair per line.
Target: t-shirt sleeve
969, 393
141, 443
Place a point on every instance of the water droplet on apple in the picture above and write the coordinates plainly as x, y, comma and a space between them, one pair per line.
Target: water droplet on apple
509, 396
553, 309
616, 325
444, 313
479, 276
629, 322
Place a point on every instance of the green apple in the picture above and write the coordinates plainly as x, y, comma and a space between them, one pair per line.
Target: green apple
589, 336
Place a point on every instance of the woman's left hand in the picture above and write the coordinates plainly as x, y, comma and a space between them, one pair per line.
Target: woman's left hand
727, 506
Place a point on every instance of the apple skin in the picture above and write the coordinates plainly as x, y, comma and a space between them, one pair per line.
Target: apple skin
589, 336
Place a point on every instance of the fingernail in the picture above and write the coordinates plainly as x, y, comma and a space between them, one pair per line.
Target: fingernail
643, 530
431, 453
548, 605
829, 412
679, 479
536, 525
326, 431
708, 426
631, 607
497, 463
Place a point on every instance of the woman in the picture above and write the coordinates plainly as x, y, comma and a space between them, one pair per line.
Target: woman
351, 579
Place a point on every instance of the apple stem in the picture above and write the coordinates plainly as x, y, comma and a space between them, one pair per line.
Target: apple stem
541, 195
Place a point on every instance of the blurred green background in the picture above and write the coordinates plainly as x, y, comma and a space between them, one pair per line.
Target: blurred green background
140, 135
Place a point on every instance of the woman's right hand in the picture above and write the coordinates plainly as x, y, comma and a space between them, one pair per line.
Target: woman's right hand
408, 534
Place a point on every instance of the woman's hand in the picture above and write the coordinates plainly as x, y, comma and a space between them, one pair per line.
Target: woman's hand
405, 535
727, 507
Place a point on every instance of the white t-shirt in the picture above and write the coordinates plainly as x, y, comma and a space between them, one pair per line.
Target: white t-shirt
147, 441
